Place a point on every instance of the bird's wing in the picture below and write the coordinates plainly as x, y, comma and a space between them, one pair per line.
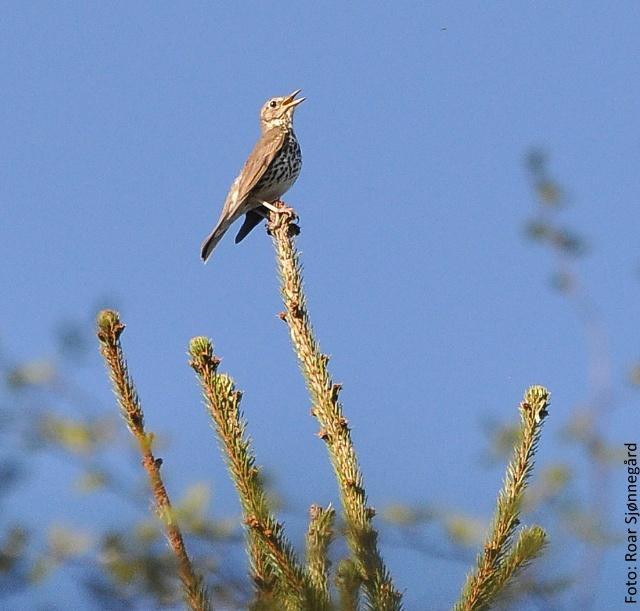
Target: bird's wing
254, 168
252, 219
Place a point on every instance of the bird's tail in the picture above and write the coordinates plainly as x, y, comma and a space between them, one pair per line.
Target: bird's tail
213, 238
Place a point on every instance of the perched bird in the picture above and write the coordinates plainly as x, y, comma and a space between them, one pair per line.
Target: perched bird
270, 170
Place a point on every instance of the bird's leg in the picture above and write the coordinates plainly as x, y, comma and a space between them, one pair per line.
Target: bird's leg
269, 206
279, 207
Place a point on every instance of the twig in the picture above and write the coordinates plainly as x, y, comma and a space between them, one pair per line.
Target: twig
109, 330
380, 591
319, 536
348, 582
276, 572
500, 560
530, 544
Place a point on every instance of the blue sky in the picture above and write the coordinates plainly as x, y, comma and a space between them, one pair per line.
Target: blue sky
125, 123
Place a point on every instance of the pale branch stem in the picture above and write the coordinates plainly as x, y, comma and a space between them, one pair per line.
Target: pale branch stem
276, 571
319, 536
380, 591
499, 560
109, 330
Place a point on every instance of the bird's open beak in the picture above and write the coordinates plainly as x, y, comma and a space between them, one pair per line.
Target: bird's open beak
290, 101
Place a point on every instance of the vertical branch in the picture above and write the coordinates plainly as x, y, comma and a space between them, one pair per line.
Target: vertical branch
273, 562
381, 593
319, 536
500, 560
109, 330
348, 582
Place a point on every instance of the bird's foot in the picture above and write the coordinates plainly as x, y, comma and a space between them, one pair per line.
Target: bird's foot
281, 213
279, 207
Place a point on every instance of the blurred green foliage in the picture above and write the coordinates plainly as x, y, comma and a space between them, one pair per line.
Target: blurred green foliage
131, 566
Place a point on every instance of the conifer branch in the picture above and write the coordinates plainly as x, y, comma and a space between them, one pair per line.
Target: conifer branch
500, 560
530, 544
380, 591
319, 536
109, 330
348, 582
276, 572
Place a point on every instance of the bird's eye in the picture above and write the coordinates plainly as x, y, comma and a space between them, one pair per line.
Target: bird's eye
273, 103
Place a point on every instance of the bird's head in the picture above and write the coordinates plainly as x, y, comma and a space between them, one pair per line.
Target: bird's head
278, 112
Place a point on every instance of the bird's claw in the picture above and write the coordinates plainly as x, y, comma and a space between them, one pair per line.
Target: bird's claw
281, 213
282, 208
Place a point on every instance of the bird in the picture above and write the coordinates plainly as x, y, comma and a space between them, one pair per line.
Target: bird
270, 170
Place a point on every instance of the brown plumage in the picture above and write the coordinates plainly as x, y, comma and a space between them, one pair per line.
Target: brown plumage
270, 170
